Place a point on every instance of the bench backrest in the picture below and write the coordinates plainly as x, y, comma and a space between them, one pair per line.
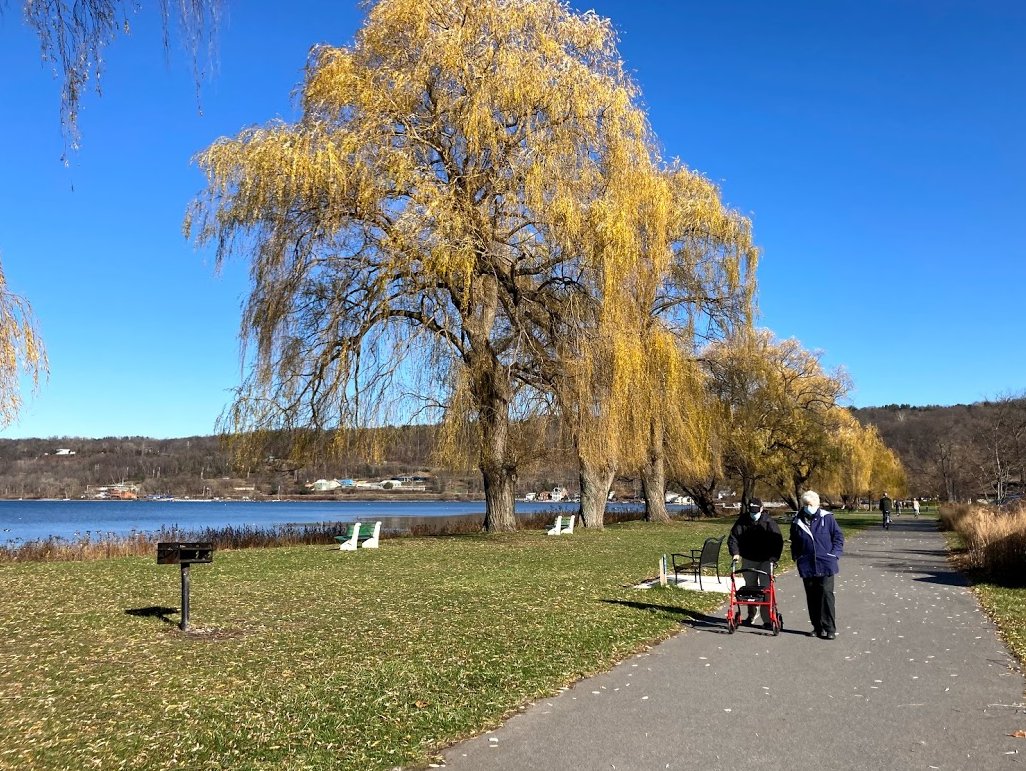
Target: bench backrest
368, 531
710, 556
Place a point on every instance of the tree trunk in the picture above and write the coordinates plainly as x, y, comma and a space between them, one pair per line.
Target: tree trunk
653, 476
499, 489
747, 491
595, 483
491, 390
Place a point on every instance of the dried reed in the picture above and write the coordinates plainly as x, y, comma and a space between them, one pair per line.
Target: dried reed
995, 540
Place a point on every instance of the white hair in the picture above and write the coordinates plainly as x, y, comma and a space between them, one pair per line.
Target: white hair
811, 498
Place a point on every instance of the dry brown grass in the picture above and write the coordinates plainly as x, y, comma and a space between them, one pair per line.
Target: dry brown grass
995, 540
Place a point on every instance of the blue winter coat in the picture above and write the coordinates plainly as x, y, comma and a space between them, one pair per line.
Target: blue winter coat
816, 544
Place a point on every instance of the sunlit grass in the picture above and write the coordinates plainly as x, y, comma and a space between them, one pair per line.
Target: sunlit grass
308, 657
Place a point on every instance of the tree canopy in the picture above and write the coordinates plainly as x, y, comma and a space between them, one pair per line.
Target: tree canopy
454, 175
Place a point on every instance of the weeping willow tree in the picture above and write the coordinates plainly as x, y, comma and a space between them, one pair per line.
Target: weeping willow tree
588, 344
616, 349
777, 411
22, 354
865, 465
73, 35
442, 173
812, 449
703, 293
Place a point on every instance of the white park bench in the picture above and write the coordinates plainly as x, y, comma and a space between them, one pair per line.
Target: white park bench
564, 525
360, 535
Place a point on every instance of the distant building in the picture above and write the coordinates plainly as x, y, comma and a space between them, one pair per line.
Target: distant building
64, 451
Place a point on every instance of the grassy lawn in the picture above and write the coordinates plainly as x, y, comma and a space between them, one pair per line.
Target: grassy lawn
308, 657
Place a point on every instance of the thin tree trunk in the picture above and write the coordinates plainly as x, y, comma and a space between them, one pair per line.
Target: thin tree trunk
747, 491
653, 477
595, 483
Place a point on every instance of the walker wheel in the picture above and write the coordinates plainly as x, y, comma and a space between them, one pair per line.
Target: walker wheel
778, 625
732, 622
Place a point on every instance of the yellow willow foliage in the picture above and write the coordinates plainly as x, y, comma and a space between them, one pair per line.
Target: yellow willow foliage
21, 351
459, 438
866, 464
638, 366
889, 473
715, 257
858, 447
453, 160
688, 419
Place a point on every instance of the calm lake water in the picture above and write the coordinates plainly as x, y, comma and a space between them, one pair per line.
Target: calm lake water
32, 520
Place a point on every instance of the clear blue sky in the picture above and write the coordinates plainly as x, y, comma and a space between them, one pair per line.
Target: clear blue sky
878, 147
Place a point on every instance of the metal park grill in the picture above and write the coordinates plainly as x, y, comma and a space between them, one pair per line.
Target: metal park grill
184, 554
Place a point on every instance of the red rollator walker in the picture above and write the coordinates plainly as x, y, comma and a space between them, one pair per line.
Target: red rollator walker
753, 596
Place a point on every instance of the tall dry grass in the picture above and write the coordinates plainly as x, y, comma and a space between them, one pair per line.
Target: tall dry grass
995, 540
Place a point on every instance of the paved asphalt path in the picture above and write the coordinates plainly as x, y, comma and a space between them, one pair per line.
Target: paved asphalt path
916, 679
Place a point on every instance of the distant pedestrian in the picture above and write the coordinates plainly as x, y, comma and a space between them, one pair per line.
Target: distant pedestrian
756, 541
816, 546
915, 508
885, 511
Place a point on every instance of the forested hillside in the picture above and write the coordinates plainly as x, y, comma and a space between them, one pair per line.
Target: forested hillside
958, 452
202, 466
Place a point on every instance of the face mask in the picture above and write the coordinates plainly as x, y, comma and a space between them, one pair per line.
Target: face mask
809, 510
756, 515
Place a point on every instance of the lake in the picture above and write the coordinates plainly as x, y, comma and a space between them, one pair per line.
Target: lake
22, 521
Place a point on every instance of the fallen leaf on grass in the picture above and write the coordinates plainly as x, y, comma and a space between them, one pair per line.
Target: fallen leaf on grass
1020, 734
420, 703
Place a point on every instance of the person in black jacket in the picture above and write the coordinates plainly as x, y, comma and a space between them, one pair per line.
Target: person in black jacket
885, 510
756, 541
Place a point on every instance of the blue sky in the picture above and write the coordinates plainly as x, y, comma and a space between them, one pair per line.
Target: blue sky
877, 146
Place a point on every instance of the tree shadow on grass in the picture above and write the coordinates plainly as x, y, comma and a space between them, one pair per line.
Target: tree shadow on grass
692, 618
154, 611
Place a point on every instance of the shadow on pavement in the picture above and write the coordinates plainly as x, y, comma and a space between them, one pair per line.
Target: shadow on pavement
701, 621
945, 578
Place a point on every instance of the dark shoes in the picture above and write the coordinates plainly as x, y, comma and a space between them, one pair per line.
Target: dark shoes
823, 635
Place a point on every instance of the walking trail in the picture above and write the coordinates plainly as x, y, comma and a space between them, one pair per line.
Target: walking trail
916, 679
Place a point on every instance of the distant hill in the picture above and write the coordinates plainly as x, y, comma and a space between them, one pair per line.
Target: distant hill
959, 452
200, 466
197, 466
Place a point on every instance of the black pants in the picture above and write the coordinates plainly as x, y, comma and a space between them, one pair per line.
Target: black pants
819, 594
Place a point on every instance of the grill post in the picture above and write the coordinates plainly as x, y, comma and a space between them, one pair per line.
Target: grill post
185, 597
185, 555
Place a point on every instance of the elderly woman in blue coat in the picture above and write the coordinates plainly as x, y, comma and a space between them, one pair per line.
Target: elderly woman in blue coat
816, 545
